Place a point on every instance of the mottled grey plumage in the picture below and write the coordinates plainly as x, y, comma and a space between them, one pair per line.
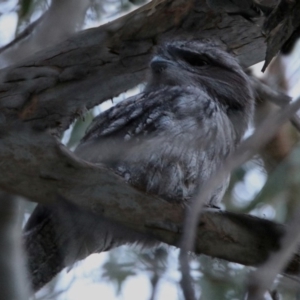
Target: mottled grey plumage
167, 140
246, 8
176, 134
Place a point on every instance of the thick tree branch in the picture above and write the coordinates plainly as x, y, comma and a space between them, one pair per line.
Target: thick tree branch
43, 176
56, 85
239, 238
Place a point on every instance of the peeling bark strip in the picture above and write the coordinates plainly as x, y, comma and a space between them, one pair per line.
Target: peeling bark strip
58, 84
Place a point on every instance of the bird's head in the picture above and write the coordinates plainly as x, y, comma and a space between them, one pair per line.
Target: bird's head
207, 67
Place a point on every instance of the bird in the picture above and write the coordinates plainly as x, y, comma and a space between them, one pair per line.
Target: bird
247, 8
166, 141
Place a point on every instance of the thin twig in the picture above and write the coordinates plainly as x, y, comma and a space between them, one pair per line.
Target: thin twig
275, 96
263, 277
295, 121
12, 266
244, 152
53, 26
186, 278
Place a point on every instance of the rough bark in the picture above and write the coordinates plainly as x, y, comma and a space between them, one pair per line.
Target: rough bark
58, 84
235, 237
282, 29
282, 144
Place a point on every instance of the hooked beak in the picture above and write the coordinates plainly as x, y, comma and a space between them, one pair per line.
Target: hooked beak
159, 64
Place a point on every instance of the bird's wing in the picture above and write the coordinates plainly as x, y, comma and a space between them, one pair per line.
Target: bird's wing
127, 116
162, 141
157, 112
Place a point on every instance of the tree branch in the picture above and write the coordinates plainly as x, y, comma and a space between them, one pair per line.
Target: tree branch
262, 279
58, 84
243, 153
274, 96
61, 20
12, 266
238, 238
43, 176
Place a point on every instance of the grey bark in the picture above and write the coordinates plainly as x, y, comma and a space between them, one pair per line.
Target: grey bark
238, 238
59, 84
282, 29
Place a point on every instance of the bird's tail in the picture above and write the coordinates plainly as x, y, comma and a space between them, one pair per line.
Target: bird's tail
56, 236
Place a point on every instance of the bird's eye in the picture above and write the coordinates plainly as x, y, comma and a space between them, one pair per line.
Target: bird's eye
192, 58
195, 60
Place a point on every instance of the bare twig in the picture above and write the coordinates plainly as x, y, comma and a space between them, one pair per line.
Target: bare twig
186, 278
263, 277
275, 96
61, 20
244, 152
12, 267
275, 295
23, 35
